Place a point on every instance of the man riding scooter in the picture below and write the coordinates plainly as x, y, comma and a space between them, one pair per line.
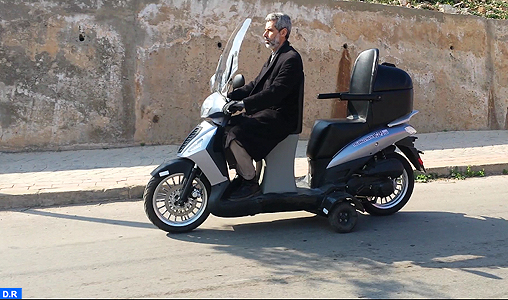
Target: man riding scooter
271, 103
352, 162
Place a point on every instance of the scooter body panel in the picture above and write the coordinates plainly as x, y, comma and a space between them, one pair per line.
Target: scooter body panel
196, 148
371, 143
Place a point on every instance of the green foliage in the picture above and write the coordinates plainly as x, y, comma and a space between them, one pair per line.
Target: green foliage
490, 9
426, 177
457, 174
505, 172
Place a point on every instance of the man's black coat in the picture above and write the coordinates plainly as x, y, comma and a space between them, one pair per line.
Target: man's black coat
271, 104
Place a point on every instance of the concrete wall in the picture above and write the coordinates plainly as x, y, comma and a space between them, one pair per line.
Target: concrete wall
103, 73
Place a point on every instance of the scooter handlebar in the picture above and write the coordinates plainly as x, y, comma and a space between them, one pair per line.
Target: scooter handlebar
233, 106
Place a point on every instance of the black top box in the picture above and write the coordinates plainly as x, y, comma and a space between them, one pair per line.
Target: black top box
393, 86
396, 89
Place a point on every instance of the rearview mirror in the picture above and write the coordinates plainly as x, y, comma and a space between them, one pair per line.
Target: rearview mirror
238, 81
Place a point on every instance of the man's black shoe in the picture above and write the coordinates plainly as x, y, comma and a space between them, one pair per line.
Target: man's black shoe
236, 182
247, 189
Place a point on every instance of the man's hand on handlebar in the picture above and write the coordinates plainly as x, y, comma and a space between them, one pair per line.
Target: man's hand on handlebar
233, 106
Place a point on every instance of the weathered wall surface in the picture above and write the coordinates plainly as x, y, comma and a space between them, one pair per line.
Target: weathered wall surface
85, 74
64, 67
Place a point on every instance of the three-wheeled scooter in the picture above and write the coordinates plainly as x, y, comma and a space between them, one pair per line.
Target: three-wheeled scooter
358, 163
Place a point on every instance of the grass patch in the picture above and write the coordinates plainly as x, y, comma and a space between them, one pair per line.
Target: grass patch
455, 173
426, 177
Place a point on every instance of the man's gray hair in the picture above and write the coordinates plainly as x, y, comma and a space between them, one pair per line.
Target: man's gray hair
281, 21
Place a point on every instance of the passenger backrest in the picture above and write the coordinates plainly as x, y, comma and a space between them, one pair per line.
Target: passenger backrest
277, 173
298, 129
362, 82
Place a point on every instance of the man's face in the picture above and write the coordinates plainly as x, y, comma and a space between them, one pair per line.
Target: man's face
273, 37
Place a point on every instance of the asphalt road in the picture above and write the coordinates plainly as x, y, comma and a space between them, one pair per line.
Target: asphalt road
450, 241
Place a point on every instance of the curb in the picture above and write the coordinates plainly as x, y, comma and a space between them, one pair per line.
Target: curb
488, 169
49, 199
135, 192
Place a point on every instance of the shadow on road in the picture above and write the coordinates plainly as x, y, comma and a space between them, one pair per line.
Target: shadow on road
378, 245
89, 219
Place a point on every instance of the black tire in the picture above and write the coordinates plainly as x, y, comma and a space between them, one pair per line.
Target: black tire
343, 217
383, 206
162, 207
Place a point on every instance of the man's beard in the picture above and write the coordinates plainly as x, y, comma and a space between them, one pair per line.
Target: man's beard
272, 44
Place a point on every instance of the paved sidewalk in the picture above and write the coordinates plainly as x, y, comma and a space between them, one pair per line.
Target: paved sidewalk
69, 177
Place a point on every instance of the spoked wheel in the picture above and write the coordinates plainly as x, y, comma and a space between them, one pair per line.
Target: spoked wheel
343, 217
404, 184
167, 211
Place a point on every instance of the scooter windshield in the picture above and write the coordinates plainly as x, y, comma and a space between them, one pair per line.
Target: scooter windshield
228, 62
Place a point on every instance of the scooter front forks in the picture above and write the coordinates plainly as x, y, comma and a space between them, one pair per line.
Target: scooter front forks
187, 185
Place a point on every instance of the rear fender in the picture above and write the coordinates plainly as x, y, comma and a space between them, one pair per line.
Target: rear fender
406, 145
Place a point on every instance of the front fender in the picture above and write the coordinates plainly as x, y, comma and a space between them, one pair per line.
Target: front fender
167, 168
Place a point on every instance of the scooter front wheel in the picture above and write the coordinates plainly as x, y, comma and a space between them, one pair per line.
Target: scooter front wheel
167, 211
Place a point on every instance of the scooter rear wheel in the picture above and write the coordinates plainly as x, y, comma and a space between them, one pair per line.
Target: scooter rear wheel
343, 217
404, 185
164, 208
